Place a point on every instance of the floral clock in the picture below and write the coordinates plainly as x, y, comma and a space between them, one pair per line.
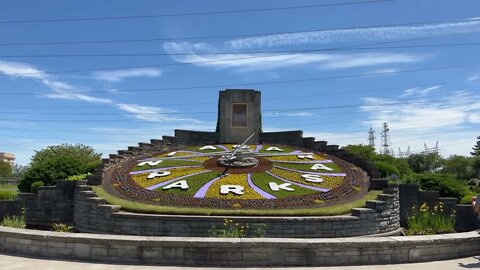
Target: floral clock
280, 176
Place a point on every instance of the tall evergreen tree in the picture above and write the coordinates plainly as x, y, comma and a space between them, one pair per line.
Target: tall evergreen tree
476, 148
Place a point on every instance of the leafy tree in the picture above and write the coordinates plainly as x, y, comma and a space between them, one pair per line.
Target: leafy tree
18, 170
59, 162
5, 169
427, 162
476, 148
445, 184
476, 166
460, 166
400, 163
365, 151
386, 169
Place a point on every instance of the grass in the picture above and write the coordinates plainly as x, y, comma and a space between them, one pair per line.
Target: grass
157, 209
8, 192
12, 188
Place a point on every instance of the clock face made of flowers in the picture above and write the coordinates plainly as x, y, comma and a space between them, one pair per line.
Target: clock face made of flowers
240, 177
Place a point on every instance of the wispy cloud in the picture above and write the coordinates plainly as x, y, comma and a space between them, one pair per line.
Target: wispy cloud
419, 91
366, 34
120, 75
248, 62
450, 119
288, 114
475, 77
151, 113
64, 90
61, 90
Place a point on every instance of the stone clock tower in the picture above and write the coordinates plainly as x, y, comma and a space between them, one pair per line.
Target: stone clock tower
239, 115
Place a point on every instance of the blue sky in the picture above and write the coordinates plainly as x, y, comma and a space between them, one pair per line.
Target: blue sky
316, 81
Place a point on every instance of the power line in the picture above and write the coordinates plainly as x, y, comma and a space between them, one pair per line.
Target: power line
271, 53
232, 36
145, 16
234, 85
263, 99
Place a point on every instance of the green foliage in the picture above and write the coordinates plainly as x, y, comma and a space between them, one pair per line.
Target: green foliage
14, 221
261, 180
476, 148
5, 169
467, 199
476, 166
365, 151
430, 221
386, 169
60, 227
36, 185
445, 184
400, 163
77, 177
7, 195
59, 162
421, 163
460, 166
231, 229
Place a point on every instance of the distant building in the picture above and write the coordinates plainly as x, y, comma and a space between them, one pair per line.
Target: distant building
7, 157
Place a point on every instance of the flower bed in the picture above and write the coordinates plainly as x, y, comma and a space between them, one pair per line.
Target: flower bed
284, 148
182, 154
233, 179
167, 163
295, 158
195, 182
142, 180
262, 181
329, 181
308, 167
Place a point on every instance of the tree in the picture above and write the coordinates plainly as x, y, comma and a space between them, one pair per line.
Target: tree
59, 162
476, 148
459, 166
476, 166
362, 150
5, 169
426, 162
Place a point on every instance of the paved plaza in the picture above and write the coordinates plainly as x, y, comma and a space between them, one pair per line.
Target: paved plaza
8, 262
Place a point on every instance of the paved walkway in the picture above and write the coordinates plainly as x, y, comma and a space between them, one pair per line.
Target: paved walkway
8, 262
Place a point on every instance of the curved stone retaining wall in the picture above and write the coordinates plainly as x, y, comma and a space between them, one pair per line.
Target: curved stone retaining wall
238, 251
93, 214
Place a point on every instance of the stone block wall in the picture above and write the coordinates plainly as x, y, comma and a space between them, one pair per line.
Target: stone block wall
49, 205
411, 196
238, 252
9, 208
93, 214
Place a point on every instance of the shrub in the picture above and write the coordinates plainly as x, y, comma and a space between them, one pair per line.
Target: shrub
78, 177
7, 195
59, 162
386, 169
237, 230
60, 227
14, 221
36, 185
445, 184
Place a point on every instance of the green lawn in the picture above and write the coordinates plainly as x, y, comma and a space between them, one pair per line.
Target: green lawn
157, 209
12, 188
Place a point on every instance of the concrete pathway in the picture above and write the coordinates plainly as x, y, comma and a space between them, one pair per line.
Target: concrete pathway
8, 262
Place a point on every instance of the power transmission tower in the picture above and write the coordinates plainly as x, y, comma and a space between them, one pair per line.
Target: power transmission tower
386, 149
371, 137
405, 154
